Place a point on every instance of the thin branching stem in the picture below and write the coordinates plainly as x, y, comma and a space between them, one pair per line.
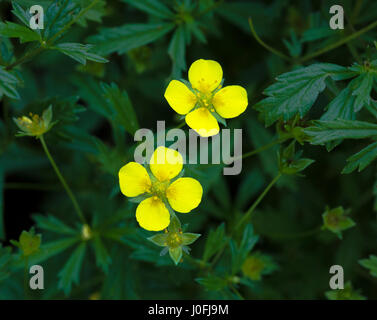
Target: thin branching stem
265, 45
246, 217
62, 180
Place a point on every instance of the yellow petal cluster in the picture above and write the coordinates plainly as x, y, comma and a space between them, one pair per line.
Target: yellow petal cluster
160, 188
205, 99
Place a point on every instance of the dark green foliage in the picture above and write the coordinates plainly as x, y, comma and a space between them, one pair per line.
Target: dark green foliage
100, 69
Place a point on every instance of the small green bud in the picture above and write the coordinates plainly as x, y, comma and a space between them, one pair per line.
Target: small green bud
336, 220
28, 242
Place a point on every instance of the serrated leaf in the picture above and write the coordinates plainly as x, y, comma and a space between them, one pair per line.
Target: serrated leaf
216, 239
57, 15
71, 271
326, 131
103, 259
239, 253
127, 37
14, 30
370, 264
362, 159
53, 224
79, 52
120, 107
153, 7
212, 282
177, 51
295, 92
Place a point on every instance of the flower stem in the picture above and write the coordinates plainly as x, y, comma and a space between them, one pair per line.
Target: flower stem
249, 212
265, 147
62, 180
265, 45
246, 216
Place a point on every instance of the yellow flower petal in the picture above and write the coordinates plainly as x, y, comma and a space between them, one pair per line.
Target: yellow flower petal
230, 101
134, 179
166, 163
184, 194
205, 75
203, 122
179, 97
152, 214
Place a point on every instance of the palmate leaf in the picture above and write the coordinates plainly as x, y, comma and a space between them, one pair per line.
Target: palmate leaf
71, 271
295, 92
153, 7
326, 131
79, 52
361, 159
129, 36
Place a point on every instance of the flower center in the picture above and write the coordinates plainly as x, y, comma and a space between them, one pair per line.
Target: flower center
159, 188
205, 100
174, 240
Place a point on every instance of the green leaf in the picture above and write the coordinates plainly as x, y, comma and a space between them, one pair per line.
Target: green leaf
370, 264
212, 282
79, 52
14, 30
216, 239
57, 15
239, 254
2, 230
53, 224
95, 13
120, 108
7, 84
5, 262
348, 293
153, 7
342, 107
177, 51
71, 271
21, 14
361, 159
326, 131
127, 37
103, 259
295, 92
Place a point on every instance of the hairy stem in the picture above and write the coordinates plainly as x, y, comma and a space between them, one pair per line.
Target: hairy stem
62, 180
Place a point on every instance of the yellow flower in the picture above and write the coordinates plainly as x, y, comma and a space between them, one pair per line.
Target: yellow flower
160, 188
205, 101
35, 125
